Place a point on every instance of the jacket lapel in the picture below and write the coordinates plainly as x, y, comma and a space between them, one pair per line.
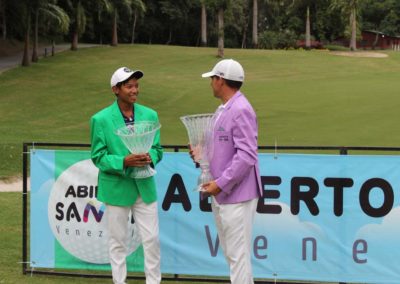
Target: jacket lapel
117, 119
224, 115
138, 113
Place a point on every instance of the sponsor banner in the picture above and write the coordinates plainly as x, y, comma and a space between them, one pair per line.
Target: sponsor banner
67, 225
322, 218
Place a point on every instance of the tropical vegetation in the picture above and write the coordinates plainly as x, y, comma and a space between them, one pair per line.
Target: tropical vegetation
220, 23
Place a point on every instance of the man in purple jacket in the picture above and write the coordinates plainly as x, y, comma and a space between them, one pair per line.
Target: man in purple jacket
234, 166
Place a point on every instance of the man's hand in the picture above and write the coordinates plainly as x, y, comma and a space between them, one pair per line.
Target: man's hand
193, 153
211, 188
137, 160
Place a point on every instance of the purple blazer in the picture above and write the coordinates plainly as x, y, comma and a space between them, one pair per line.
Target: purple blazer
234, 164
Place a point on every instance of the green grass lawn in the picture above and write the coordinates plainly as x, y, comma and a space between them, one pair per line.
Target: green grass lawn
301, 98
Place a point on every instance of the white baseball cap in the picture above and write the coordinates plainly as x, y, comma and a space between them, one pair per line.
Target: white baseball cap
228, 69
124, 73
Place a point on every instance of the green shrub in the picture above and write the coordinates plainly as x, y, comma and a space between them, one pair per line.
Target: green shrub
334, 47
277, 40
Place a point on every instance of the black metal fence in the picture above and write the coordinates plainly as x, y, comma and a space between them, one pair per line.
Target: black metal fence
28, 146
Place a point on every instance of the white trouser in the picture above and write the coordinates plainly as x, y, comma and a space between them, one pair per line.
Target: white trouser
146, 220
234, 225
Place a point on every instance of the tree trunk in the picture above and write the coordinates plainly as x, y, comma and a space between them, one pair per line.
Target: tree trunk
25, 57
255, 24
3, 17
75, 31
35, 57
99, 27
308, 29
353, 23
220, 33
134, 26
114, 41
203, 25
375, 41
244, 36
74, 43
170, 36
100, 30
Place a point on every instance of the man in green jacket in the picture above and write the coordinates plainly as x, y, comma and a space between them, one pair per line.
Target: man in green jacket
120, 193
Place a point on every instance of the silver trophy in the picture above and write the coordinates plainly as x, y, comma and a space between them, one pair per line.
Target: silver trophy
200, 131
138, 138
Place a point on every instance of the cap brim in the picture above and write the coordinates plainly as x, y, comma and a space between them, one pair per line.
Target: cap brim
208, 74
137, 74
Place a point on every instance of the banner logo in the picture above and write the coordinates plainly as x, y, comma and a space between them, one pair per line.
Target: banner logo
78, 220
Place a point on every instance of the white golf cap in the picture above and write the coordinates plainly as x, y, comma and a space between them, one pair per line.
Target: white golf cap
124, 73
228, 69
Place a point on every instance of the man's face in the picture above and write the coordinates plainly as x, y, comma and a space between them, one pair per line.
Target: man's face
216, 83
128, 92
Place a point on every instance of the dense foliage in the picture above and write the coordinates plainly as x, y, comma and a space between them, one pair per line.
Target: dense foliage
279, 23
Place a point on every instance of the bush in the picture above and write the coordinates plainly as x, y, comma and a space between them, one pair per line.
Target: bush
314, 44
277, 40
333, 47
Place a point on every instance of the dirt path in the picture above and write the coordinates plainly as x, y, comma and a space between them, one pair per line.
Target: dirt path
360, 54
12, 186
12, 61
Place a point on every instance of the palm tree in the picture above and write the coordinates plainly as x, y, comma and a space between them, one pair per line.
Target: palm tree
220, 6
78, 22
138, 8
116, 5
203, 23
220, 32
25, 57
114, 37
353, 24
349, 9
255, 24
100, 7
36, 4
50, 10
26, 15
308, 29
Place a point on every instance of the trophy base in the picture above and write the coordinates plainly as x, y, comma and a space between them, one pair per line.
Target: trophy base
204, 177
143, 172
199, 188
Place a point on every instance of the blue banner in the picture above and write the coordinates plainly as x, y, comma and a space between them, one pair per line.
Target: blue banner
322, 218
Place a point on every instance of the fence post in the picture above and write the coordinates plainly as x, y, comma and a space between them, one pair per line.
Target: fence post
53, 51
24, 207
343, 151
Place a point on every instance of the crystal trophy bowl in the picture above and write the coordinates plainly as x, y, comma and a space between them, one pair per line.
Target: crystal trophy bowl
200, 128
138, 138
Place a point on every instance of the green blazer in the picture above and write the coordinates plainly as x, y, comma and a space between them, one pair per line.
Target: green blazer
115, 187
